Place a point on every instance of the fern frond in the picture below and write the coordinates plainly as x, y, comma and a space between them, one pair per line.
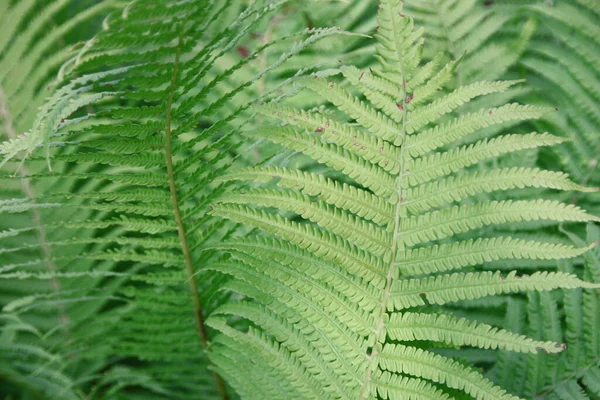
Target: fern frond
340, 194
354, 166
430, 113
438, 193
421, 363
355, 263
438, 225
374, 150
276, 361
458, 128
445, 257
359, 232
376, 122
442, 289
359, 291
367, 160
293, 339
141, 125
562, 378
461, 332
321, 243
392, 386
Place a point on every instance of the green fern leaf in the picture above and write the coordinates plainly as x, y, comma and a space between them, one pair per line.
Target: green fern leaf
360, 192
421, 363
442, 289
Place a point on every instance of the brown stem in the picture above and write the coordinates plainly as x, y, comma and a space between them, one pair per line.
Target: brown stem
187, 257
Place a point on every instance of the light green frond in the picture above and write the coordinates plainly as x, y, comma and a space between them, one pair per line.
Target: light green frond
437, 225
428, 89
377, 168
333, 337
376, 122
362, 293
433, 111
377, 84
335, 157
424, 76
306, 349
372, 149
443, 289
320, 243
459, 128
399, 43
363, 234
425, 169
365, 199
445, 257
280, 361
333, 303
423, 364
339, 194
461, 332
398, 387
457, 188
391, 107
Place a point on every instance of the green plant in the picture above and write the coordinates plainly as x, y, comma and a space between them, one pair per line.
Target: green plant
132, 138
380, 236
379, 228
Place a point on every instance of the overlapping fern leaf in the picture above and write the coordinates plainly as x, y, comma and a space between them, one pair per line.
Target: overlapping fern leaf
35, 42
345, 280
575, 373
35, 39
570, 75
145, 119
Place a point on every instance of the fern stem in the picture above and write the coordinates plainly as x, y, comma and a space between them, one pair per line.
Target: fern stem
396, 241
36, 216
393, 268
187, 257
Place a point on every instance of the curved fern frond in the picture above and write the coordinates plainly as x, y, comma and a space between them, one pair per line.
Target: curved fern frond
373, 175
461, 332
444, 223
442, 289
444, 257
145, 120
418, 362
438, 193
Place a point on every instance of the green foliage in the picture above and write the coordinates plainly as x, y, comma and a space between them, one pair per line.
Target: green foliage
222, 199
574, 374
133, 140
398, 113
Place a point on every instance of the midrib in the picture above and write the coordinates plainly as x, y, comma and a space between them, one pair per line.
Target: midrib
397, 242
185, 248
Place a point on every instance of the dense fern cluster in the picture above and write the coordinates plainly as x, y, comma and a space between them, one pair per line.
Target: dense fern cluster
222, 199
153, 82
